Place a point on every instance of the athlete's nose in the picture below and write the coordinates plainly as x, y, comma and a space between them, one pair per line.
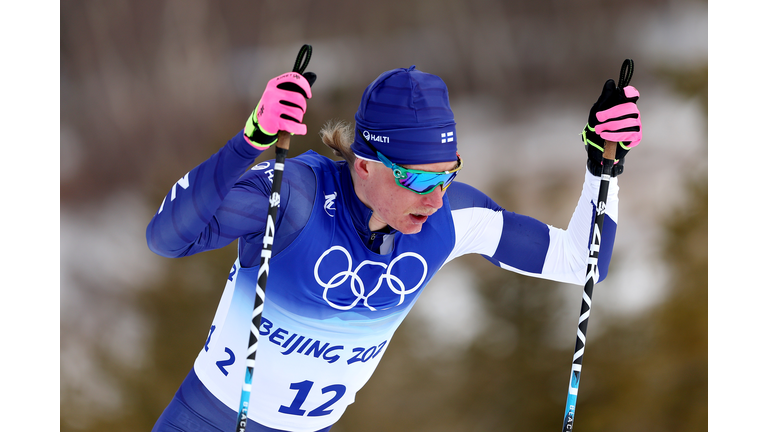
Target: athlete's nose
434, 199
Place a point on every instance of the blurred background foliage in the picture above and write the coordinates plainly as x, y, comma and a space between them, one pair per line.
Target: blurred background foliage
151, 88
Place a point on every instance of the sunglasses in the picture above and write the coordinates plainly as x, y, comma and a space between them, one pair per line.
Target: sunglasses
421, 182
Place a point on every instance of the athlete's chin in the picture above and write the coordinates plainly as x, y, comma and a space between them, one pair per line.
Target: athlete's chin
411, 230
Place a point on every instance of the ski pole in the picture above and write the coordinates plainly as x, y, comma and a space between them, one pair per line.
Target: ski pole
609, 155
281, 151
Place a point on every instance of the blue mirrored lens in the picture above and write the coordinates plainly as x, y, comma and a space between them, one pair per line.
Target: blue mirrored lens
425, 182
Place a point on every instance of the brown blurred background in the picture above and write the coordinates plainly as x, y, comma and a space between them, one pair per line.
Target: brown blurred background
151, 88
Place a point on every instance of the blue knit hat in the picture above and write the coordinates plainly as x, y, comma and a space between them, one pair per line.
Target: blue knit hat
405, 114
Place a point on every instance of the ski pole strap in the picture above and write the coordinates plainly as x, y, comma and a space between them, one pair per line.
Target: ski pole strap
306, 52
627, 68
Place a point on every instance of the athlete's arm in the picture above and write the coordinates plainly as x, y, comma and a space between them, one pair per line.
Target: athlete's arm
525, 245
215, 203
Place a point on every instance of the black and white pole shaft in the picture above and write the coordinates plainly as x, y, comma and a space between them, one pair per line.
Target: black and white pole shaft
609, 156
266, 255
281, 151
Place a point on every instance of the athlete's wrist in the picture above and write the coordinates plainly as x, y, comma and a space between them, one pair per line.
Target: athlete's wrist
244, 148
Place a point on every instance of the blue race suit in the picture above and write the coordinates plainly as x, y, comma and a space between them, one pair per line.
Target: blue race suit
336, 291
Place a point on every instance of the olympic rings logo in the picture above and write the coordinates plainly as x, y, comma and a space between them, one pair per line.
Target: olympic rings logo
356, 283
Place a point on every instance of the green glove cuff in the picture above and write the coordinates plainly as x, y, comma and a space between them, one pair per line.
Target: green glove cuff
256, 136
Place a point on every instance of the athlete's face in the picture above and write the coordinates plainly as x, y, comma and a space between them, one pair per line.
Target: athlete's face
393, 205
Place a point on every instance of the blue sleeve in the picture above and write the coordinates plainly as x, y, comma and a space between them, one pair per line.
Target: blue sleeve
518, 242
607, 239
524, 240
463, 196
523, 245
215, 203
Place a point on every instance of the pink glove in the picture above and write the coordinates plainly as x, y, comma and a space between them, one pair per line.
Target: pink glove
616, 122
282, 107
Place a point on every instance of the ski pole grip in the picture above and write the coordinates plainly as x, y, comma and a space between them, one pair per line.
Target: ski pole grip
283, 140
627, 68
302, 60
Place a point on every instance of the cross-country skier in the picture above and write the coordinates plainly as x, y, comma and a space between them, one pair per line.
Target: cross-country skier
356, 241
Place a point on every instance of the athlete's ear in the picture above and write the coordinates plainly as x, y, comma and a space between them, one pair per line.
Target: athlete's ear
363, 168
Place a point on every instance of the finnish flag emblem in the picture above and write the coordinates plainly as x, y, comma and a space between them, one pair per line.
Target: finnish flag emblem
446, 137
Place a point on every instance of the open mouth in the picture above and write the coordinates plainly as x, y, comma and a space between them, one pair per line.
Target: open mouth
419, 218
